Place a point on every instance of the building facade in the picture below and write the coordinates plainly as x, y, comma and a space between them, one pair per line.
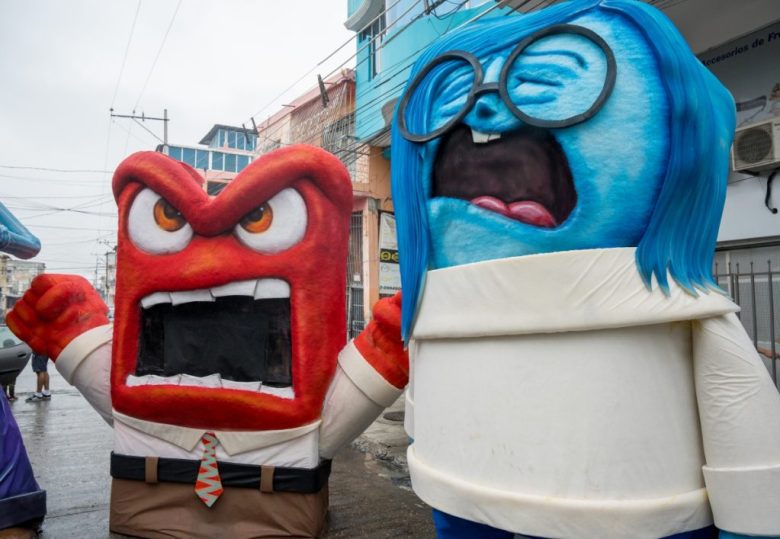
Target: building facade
15, 278
224, 152
325, 116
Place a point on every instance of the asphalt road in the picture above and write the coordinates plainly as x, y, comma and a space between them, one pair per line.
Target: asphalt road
69, 447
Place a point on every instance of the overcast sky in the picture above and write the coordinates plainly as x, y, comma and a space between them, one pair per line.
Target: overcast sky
60, 64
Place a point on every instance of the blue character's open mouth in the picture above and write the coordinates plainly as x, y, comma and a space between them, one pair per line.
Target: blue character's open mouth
538, 189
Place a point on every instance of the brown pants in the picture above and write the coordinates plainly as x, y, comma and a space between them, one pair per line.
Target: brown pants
165, 510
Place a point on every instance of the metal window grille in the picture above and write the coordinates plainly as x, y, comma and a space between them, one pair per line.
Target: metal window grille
755, 287
355, 319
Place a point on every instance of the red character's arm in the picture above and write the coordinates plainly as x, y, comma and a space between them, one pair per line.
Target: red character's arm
54, 311
373, 370
381, 345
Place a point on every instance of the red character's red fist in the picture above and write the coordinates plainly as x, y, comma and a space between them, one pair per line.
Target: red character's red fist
54, 311
380, 342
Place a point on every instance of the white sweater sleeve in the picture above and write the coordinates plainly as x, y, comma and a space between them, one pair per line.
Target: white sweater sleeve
86, 363
739, 408
356, 397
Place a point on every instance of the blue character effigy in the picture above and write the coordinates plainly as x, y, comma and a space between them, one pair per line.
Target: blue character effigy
558, 180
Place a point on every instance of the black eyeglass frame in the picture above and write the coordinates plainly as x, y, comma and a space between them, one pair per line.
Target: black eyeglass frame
478, 87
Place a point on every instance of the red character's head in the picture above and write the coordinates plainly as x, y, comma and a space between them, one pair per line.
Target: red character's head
229, 311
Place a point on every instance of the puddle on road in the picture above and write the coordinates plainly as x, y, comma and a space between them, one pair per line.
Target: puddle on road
377, 467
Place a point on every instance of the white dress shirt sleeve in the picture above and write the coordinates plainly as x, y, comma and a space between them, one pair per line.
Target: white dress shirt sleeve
356, 397
86, 364
739, 409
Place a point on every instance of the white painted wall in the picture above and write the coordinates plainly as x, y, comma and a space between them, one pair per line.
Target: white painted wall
710, 23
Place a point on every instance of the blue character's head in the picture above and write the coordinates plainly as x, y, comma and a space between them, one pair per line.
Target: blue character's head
589, 124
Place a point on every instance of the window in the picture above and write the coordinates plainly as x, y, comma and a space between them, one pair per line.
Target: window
339, 139
188, 156
231, 141
8, 339
230, 162
174, 152
243, 161
214, 188
202, 159
400, 13
373, 35
217, 161
221, 138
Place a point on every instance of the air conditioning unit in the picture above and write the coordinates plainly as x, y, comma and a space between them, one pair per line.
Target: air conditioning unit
756, 147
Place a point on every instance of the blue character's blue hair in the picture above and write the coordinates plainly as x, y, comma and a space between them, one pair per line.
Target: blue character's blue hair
682, 231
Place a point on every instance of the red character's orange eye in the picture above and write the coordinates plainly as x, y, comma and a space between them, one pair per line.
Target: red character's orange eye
167, 217
258, 220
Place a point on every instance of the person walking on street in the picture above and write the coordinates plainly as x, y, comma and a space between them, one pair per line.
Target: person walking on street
42, 393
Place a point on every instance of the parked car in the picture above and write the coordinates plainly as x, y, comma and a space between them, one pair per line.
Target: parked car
14, 355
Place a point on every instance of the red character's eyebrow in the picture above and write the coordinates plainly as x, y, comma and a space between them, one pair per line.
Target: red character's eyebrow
257, 183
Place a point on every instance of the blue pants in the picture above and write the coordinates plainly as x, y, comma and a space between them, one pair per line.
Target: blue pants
452, 527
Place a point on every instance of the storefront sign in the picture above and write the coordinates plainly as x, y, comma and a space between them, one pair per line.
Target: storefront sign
389, 270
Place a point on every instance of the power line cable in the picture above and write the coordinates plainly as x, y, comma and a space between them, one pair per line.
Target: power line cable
318, 64
364, 47
157, 56
127, 49
68, 170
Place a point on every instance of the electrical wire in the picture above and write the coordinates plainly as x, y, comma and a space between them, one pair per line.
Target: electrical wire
318, 64
157, 56
68, 170
127, 49
411, 57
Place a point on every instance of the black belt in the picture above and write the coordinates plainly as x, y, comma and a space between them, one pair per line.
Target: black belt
265, 478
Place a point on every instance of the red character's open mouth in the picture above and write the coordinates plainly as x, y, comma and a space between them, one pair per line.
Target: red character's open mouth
234, 336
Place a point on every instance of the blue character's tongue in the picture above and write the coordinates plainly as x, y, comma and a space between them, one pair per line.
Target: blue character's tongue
525, 211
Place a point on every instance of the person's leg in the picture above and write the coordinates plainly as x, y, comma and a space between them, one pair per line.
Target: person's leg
45, 382
452, 527
39, 368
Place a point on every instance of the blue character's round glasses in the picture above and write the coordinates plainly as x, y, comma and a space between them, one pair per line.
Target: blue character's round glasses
478, 87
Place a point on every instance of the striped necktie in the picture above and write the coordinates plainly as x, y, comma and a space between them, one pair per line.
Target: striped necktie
208, 487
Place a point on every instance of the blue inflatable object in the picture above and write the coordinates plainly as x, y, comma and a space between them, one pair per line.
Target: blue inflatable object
22, 501
14, 238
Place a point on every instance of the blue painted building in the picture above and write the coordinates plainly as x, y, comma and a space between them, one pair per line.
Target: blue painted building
225, 152
390, 36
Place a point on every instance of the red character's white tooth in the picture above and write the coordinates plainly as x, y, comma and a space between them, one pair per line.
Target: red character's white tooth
237, 288
272, 288
134, 381
212, 380
154, 380
283, 392
247, 386
188, 296
154, 299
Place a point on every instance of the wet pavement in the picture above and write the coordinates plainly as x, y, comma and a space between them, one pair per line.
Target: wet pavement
69, 446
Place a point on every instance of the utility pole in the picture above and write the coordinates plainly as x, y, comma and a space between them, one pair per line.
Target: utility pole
143, 117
